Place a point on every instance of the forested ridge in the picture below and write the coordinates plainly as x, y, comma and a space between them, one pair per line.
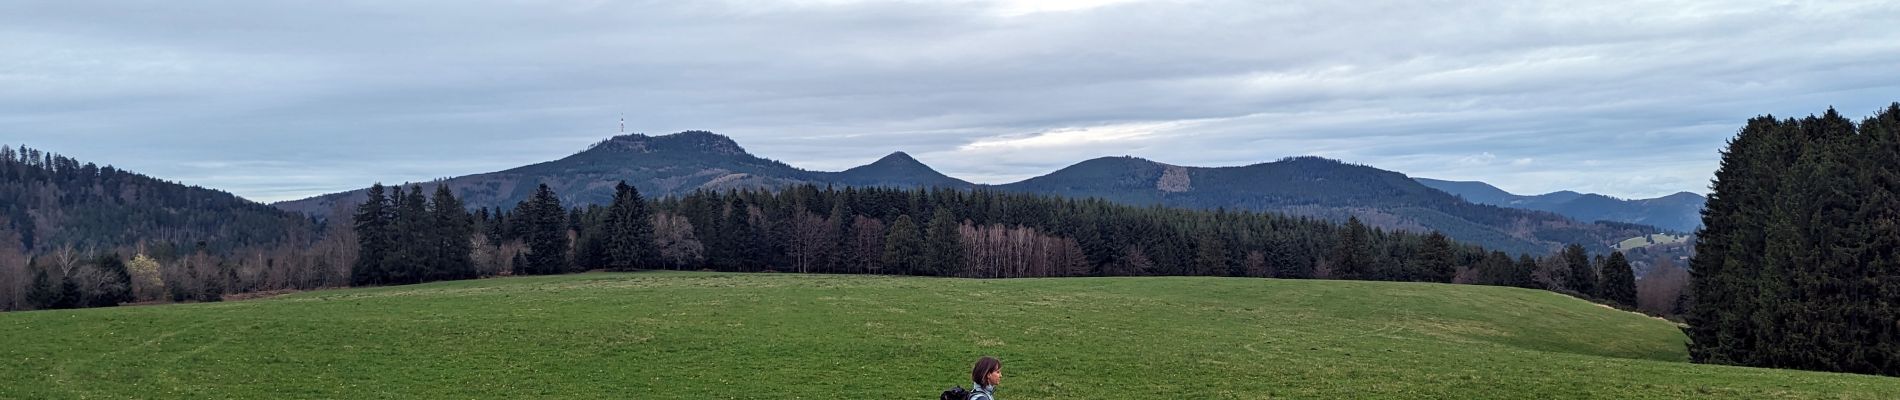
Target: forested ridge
683, 163
52, 201
1798, 261
402, 235
76, 234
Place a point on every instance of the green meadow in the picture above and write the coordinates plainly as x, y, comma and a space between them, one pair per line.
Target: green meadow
664, 335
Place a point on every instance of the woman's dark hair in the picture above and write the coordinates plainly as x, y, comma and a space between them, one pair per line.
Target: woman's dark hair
980, 374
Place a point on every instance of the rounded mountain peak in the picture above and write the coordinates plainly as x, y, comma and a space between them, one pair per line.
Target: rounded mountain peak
688, 141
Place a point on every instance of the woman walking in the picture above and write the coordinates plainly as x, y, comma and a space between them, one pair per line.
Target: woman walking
984, 376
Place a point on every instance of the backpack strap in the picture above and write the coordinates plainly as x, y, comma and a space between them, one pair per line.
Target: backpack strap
976, 395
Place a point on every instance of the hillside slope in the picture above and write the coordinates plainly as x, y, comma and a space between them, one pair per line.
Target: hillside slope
770, 336
49, 201
1680, 212
1328, 189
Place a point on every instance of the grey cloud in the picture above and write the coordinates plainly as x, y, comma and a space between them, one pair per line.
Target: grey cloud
1629, 99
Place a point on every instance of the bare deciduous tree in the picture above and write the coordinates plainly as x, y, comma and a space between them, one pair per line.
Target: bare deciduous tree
1660, 291
673, 236
811, 236
997, 251
14, 276
867, 245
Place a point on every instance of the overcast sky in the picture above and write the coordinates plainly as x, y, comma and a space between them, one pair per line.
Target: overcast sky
282, 100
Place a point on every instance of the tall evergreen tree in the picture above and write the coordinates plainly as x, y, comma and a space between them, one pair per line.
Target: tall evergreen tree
45, 292
374, 238
1497, 269
1525, 274
455, 233
1619, 280
1722, 271
629, 230
1352, 252
545, 221
1210, 256
1435, 263
415, 237
943, 245
1794, 265
1582, 274
740, 242
903, 249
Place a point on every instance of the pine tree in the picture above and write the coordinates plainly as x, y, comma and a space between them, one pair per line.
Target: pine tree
1524, 275
415, 238
45, 291
1210, 256
944, 245
629, 230
374, 238
1496, 269
1794, 265
455, 233
545, 221
1435, 259
1619, 281
1722, 270
1583, 275
1352, 252
903, 249
740, 244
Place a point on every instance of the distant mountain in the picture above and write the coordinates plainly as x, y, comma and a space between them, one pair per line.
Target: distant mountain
50, 202
1323, 188
899, 170
1309, 186
661, 165
1680, 212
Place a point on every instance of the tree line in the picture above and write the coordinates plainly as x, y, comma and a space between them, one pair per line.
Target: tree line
993, 234
402, 235
76, 234
1798, 261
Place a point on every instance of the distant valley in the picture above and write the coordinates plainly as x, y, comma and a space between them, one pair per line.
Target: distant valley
1680, 212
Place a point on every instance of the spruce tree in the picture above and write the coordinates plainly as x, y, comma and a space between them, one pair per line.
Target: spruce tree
45, 291
1880, 177
943, 244
1524, 275
903, 249
1496, 269
740, 242
1582, 275
1619, 281
1721, 277
629, 230
1435, 262
545, 222
455, 233
373, 237
1352, 251
415, 233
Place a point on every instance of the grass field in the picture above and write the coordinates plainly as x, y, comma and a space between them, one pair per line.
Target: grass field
1649, 240
707, 335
